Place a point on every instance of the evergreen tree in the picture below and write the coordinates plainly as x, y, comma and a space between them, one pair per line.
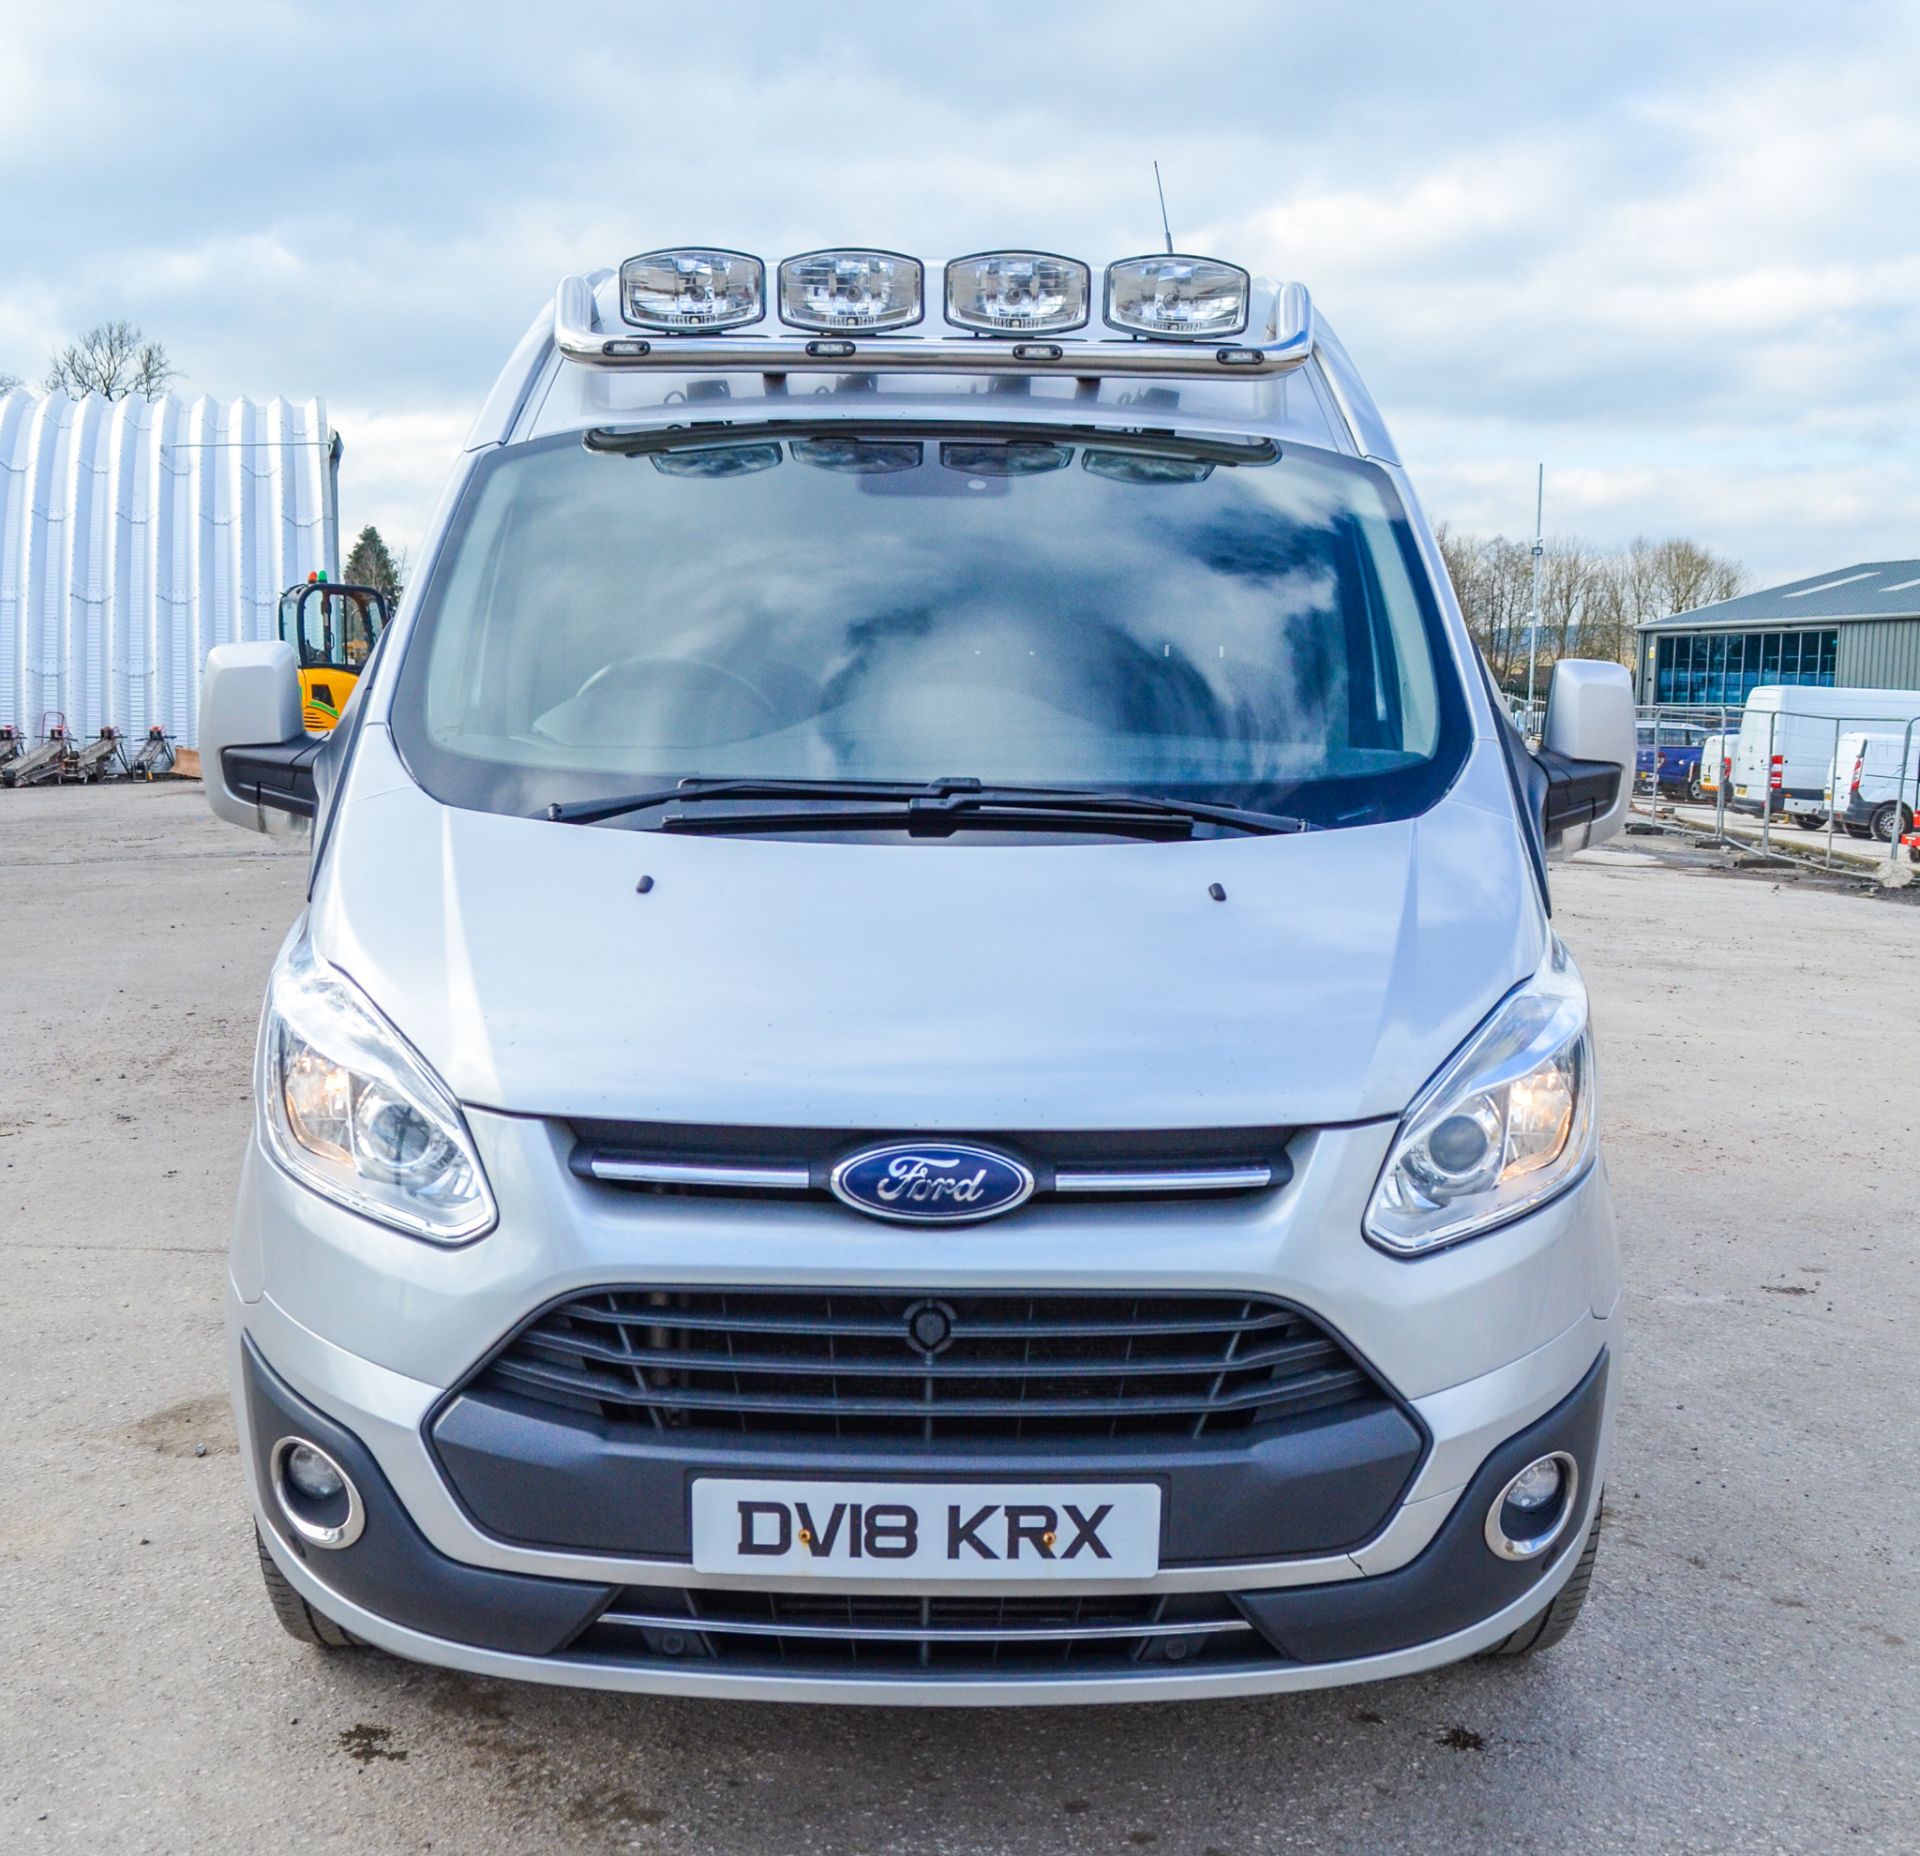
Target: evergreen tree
372, 564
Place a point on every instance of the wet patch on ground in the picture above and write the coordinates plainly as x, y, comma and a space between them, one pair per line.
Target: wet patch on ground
194, 1427
366, 1743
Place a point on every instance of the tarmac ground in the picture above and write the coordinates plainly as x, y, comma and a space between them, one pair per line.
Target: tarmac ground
1746, 1676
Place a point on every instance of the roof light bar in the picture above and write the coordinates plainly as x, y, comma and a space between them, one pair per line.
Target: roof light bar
1177, 298
586, 335
693, 290
1018, 293
839, 291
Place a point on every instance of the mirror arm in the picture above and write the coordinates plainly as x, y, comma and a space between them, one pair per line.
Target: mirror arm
276, 774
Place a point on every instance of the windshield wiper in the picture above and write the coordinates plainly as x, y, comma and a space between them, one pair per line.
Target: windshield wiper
1198, 447
934, 808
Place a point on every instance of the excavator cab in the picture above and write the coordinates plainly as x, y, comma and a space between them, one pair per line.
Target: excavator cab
333, 630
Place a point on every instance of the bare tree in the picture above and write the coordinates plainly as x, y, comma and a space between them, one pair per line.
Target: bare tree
1490, 576
8, 382
1591, 599
112, 359
1688, 575
1569, 576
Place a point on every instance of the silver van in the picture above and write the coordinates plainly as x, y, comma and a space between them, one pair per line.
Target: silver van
926, 1060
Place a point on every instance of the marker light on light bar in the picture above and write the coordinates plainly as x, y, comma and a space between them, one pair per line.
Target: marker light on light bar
1187, 299
838, 290
1018, 292
692, 290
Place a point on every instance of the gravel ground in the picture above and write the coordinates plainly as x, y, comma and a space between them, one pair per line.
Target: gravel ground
1744, 1677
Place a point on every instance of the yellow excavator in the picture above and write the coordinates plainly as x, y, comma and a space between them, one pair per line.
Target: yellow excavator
333, 630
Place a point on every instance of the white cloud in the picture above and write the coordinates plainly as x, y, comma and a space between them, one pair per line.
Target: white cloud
392, 468
1662, 247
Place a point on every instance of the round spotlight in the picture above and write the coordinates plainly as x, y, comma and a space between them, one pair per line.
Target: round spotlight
315, 1494
1537, 1486
314, 1473
1533, 1510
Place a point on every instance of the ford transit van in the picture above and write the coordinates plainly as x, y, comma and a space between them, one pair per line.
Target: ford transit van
926, 1059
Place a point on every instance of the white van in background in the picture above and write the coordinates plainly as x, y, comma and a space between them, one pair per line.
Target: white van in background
1866, 785
1714, 752
1784, 752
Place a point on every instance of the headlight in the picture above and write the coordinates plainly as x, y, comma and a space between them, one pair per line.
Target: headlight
1507, 1124
354, 1113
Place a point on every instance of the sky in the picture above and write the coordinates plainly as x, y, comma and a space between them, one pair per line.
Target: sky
1668, 249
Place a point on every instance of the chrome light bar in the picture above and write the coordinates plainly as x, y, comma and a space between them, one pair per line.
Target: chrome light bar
1287, 345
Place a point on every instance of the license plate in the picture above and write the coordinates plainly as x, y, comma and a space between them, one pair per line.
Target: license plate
927, 1530
1740, 792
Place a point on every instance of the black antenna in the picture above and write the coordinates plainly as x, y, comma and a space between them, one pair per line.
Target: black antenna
1159, 189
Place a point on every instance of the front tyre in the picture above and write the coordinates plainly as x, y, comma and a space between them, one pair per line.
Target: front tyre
298, 1618
1544, 1631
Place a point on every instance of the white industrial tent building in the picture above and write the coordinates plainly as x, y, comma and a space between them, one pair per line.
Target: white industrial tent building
137, 534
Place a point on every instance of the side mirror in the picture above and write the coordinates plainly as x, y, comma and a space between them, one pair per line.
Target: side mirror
255, 757
1587, 747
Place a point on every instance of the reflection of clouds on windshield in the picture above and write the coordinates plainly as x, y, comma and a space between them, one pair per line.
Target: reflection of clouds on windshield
1193, 627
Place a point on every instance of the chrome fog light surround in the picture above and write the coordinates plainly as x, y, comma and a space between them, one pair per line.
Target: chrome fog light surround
329, 1535
1551, 1525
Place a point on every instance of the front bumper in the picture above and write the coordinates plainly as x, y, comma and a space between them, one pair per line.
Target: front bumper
392, 1588
366, 1331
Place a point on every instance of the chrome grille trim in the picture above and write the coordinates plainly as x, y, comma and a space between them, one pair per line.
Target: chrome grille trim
1194, 1179
685, 1173
1067, 1165
983, 1634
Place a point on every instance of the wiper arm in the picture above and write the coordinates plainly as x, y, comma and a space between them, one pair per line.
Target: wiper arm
695, 788
1150, 441
1141, 805
932, 808
939, 821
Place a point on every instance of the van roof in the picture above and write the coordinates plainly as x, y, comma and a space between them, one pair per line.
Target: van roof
1832, 702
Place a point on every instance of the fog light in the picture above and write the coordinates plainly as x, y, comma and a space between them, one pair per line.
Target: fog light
314, 1474
315, 1496
1533, 1510
1536, 1485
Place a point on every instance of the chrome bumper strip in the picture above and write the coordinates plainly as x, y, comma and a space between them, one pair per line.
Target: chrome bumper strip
919, 1633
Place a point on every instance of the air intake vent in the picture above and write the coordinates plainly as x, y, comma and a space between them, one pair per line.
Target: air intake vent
965, 1366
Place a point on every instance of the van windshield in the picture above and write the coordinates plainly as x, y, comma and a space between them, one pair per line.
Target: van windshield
1186, 617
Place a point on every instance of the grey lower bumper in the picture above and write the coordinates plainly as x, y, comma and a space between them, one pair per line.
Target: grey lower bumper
395, 1589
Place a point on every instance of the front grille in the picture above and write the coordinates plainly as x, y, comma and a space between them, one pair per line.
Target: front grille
914, 1633
962, 1366
1068, 1168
